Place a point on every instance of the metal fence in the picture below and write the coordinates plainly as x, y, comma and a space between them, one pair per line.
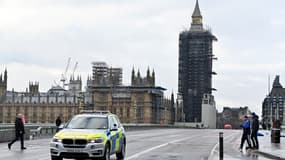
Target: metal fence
7, 132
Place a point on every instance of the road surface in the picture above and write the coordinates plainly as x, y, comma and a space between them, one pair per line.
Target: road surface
166, 144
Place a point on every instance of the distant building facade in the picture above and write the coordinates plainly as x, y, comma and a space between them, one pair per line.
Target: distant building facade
232, 116
179, 113
273, 105
142, 102
195, 66
41, 107
103, 75
209, 112
3, 86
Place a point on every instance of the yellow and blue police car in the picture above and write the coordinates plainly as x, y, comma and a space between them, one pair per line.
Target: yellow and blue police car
90, 135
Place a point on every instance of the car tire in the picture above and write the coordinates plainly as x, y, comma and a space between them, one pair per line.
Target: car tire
56, 158
122, 153
106, 153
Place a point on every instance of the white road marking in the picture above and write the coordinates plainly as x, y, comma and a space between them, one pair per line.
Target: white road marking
155, 147
216, 145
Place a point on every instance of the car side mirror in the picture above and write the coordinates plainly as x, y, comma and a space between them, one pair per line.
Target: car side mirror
61, 126
114, 128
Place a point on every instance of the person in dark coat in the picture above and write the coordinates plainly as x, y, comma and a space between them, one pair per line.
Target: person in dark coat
57, 123
246, 133
19, 132
254, 130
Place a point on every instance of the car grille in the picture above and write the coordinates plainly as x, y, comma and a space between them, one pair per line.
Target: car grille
74, 143
80, 141
67, 141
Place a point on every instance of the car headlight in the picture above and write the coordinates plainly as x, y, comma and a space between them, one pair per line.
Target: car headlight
96, 140
54, 139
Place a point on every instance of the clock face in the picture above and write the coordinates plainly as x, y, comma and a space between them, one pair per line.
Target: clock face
197, 20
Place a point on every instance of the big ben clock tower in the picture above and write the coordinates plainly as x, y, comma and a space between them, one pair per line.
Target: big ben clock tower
195, 66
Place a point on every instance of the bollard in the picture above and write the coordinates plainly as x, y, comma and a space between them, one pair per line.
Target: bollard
275, 135
221, 145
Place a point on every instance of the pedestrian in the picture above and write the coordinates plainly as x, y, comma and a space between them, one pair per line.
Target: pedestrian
57, 123
246, 133
254, 130
19, 132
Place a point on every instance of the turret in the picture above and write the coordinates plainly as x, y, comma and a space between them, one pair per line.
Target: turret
148, 73
138, 74
172, 99
133, 76
153, 77
5, 76
276, 82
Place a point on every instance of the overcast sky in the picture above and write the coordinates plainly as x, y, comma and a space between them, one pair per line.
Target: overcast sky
38, 36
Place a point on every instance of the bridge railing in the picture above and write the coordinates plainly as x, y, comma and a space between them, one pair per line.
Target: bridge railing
7, 131
33, 131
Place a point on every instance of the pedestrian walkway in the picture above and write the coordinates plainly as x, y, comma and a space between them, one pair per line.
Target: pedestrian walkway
272, 150
267, 150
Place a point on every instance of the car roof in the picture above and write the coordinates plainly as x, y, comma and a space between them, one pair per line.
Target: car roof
91, 115
94, 113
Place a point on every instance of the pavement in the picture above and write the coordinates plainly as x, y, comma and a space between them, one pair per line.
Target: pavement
266, 151
271, 150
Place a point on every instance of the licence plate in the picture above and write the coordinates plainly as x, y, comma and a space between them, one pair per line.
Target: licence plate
74, 150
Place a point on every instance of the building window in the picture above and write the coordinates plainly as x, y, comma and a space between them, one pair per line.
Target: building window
128, 112
121, 112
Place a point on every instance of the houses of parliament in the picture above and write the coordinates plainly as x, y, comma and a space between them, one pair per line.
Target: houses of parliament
141, 102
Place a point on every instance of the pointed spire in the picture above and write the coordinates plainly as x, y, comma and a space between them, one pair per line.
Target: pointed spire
276, 82
138, 74
133, 68
197, 12
148, 72
197, 19
5, 75
153, 73
153, 78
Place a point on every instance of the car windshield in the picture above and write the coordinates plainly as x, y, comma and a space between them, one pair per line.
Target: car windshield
88, 123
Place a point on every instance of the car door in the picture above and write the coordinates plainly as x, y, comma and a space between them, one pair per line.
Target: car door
114, 134
121, 134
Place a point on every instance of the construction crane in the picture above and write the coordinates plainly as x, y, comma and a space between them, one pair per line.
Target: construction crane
63, 75
74, 68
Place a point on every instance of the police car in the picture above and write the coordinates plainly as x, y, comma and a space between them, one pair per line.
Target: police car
90, 135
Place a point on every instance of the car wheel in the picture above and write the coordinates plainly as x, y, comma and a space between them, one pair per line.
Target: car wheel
107, 153
56, 158
122, 153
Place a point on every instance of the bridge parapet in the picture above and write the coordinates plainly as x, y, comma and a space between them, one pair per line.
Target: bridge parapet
33, 131
7, 131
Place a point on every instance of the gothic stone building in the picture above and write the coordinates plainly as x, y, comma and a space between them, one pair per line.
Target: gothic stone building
40, 107
273, 105
142, 102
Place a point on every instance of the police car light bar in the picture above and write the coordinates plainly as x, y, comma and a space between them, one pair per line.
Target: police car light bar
95, 111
